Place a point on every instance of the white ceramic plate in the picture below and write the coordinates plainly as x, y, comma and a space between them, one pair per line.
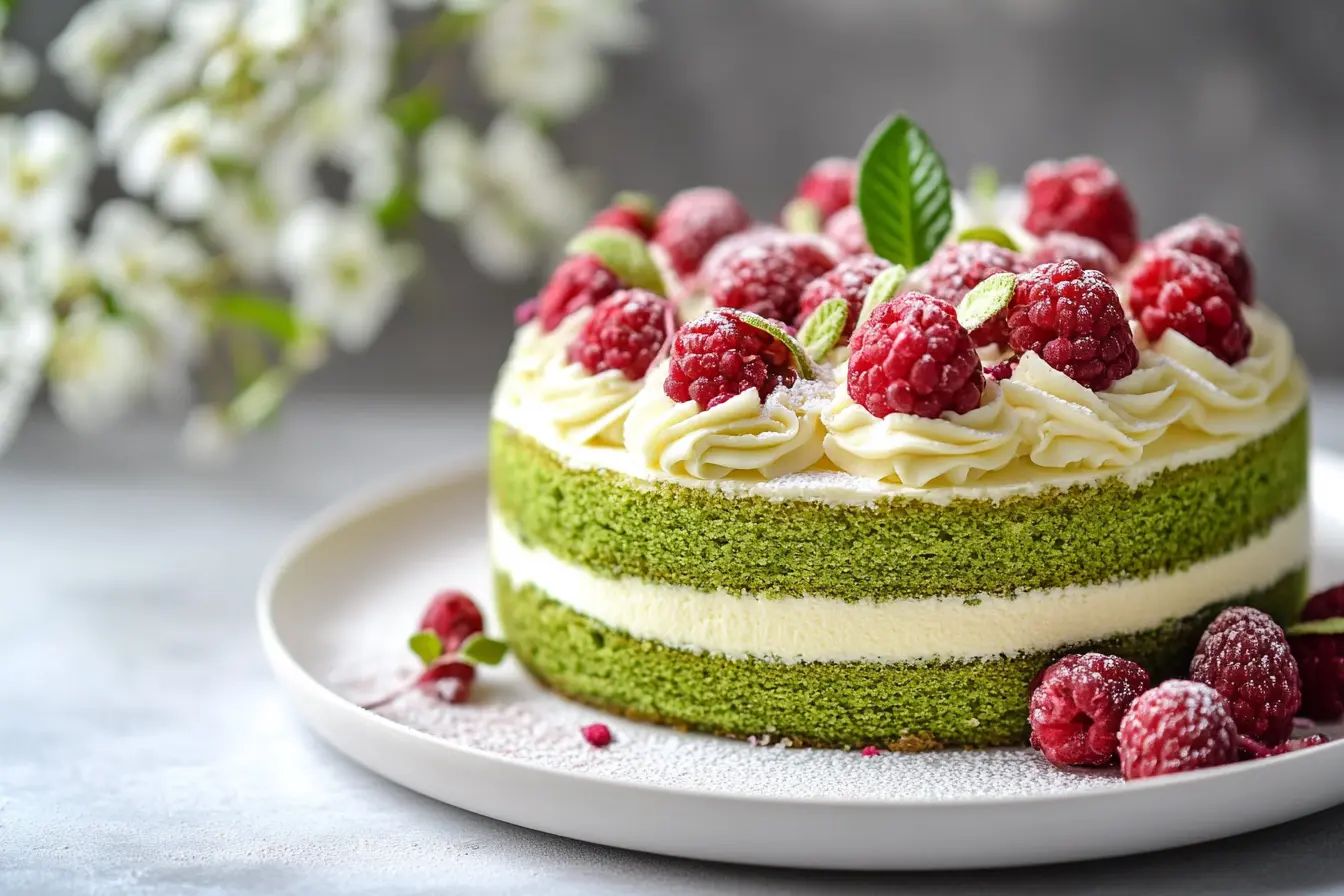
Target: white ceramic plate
339, 600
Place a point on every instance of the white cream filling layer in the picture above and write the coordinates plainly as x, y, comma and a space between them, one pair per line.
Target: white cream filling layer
801, 629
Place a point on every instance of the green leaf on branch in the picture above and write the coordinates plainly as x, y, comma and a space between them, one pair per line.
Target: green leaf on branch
398, 209
426, 645
266, 314
480, 650
903, 193
415, 110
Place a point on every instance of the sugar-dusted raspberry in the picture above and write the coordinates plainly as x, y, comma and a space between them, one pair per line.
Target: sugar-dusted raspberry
1244, 655
1077, 707
1002, 370
693, 221
956, 269
597, 734
830, 184
454, 617
1090, 254
717, 357
848, 280
1178, 726
911, 356
1073, 319
1320, 659
625, 333
578, 282
769, 280
1300, 743
1081, 195
845, 229
625, 217
450, 681
1220, 243
1173, 290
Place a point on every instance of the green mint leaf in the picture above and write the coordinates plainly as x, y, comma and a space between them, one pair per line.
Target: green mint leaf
883, 289
426, 645
986, 300
903, 193
624, 253
800, 359
802, 216
988, 233
1332, 626
480, 650
823, 327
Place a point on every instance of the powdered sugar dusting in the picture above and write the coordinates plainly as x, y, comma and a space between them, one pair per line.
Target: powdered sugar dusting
512, 717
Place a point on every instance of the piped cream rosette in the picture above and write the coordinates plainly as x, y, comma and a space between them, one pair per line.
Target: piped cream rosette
744, 434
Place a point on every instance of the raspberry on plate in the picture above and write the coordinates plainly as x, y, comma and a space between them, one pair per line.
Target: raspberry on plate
830, 184
1220, 243
1083, 196
454, 617
1090, 254
1173, 289
911, 356
769, 280
1073, 319
956, 269
579, 281
848, 280
693, 221
845, 229
626, 332
1244, 655
1178, 726
1320, 659
1077, 707
1301, 743
719, 356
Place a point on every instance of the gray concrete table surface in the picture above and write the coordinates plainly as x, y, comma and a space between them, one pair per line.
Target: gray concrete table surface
144, 748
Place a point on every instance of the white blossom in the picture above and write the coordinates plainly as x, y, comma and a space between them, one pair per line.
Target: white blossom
207, 439
171, 158
243, 222
93, 47
46, 162
344, 275
25, 338
449, 168
18, 69
159, 80
99, 368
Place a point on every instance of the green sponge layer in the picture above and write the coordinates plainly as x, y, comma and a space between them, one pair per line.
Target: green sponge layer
900, 548
903, 706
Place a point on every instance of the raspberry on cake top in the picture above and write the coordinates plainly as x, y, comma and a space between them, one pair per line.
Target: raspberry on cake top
893, 457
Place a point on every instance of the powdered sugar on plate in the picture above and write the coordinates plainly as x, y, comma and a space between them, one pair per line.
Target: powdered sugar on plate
512, 717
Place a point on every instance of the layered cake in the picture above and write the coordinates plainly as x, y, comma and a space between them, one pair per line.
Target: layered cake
858, 477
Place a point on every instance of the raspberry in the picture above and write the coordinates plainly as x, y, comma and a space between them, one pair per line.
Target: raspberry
848, 280
1220, 243
1245, 657
912, 357
454, 617
626, 216
955, 270
1073, 319
830, 184
1301, 743
598, 735
625, 333
525, 312
1178, 726
578, 282
1081, 196
693, 221
769, 280
718, 356
1077, 708
1171, 289
450, 681
1090, 254
1320, 659
765, 236
1001, 371
845, 229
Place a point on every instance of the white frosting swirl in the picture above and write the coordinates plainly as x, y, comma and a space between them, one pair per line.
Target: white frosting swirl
776, 437
951, 450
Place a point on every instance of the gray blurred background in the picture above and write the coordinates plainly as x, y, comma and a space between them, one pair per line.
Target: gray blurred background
1233, 108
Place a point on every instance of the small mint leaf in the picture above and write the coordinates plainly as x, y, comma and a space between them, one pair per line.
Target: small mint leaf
480, 650
802, 216
903, 193
883, 289
988, 233
426, 645
642, 203
986, 300
800, 359
624, 253
823, 327
1331, 626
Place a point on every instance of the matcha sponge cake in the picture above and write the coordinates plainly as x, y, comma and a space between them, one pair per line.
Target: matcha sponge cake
859, 478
